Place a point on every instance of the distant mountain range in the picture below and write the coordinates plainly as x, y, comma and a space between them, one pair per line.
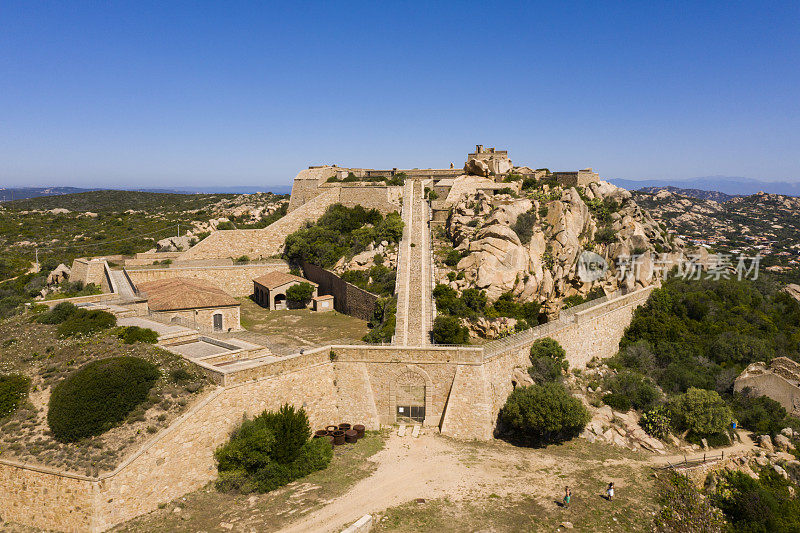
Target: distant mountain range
729, 185
20, 193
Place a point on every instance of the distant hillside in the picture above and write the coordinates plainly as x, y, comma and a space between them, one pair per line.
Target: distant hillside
692, 193
734, 186
21, 193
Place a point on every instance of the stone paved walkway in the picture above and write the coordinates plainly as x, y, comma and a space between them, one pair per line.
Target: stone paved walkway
414, 305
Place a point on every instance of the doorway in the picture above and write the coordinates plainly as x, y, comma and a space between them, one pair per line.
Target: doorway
411, 403
218, 322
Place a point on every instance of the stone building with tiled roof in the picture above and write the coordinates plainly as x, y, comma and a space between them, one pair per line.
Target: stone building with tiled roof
270, 289
194, 303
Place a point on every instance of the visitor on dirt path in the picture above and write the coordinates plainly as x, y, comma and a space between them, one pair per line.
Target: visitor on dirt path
610, 491
567, 496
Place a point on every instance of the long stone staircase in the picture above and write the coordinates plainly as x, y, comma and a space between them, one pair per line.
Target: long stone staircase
414, 304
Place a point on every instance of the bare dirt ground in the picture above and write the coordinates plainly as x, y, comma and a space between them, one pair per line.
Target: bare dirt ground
291, 329
437, 469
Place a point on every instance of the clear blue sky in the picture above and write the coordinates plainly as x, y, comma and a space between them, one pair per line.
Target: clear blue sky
239, 93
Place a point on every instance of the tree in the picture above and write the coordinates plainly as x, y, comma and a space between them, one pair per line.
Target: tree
270, 451
300, 293
448, 330
702, 412
548, 361
543, 413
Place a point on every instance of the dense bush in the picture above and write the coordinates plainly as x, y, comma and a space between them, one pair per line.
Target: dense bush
765, 504
300, 293
548, 361
452, 258
339, 232
383, 321
13, 391
378, 279
703, 413
543, 414
86, 322
133, 334
760, 414
58, 314
631, 390
98, 396
523, 226
656, 422
506, 305
270, 451
448, 330
702, 333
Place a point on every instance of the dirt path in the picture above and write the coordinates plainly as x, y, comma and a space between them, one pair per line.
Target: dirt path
432, 467
744, 446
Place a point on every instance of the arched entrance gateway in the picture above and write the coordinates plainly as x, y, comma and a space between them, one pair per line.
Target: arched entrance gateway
411, 390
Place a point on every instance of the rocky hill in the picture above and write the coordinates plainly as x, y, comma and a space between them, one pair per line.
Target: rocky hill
530, 244
693, 193
767, 224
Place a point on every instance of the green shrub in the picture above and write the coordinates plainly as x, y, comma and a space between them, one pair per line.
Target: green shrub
656, 422
506, 305
759, 414
684, 509
86, 322
180, 375
98, 396
133, 334
605, 235
452, 258
300, 293
634, 389
765, 504
548, 361
523, 226
701, 412
543, 414
13, 391
270, 451
383, 321
58, 314
448, 330
617, 402
547, 347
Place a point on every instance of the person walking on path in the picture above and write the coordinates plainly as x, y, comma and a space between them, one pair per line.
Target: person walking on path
610, 491
567, 496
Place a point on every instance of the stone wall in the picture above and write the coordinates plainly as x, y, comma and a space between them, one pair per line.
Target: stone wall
593, 332
91, 271
261, 243
773, 386
347, 298
203, 319
236, 280
45, 498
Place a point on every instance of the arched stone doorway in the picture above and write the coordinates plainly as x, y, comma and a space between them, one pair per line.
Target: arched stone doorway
411, 391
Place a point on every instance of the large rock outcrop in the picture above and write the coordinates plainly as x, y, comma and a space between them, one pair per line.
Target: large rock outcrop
539, 259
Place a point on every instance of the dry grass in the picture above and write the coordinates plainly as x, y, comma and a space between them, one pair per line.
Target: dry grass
34, 350
301, 327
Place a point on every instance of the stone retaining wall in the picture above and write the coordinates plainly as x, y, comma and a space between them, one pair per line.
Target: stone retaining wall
236, 280
347, 298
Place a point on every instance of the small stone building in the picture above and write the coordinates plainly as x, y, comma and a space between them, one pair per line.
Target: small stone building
192, 303
270, 289
497, 160
322, 303
779, 381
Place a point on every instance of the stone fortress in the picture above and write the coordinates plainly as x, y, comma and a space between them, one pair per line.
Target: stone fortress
456, 390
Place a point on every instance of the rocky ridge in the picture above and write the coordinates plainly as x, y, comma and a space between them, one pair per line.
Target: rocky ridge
537, 258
